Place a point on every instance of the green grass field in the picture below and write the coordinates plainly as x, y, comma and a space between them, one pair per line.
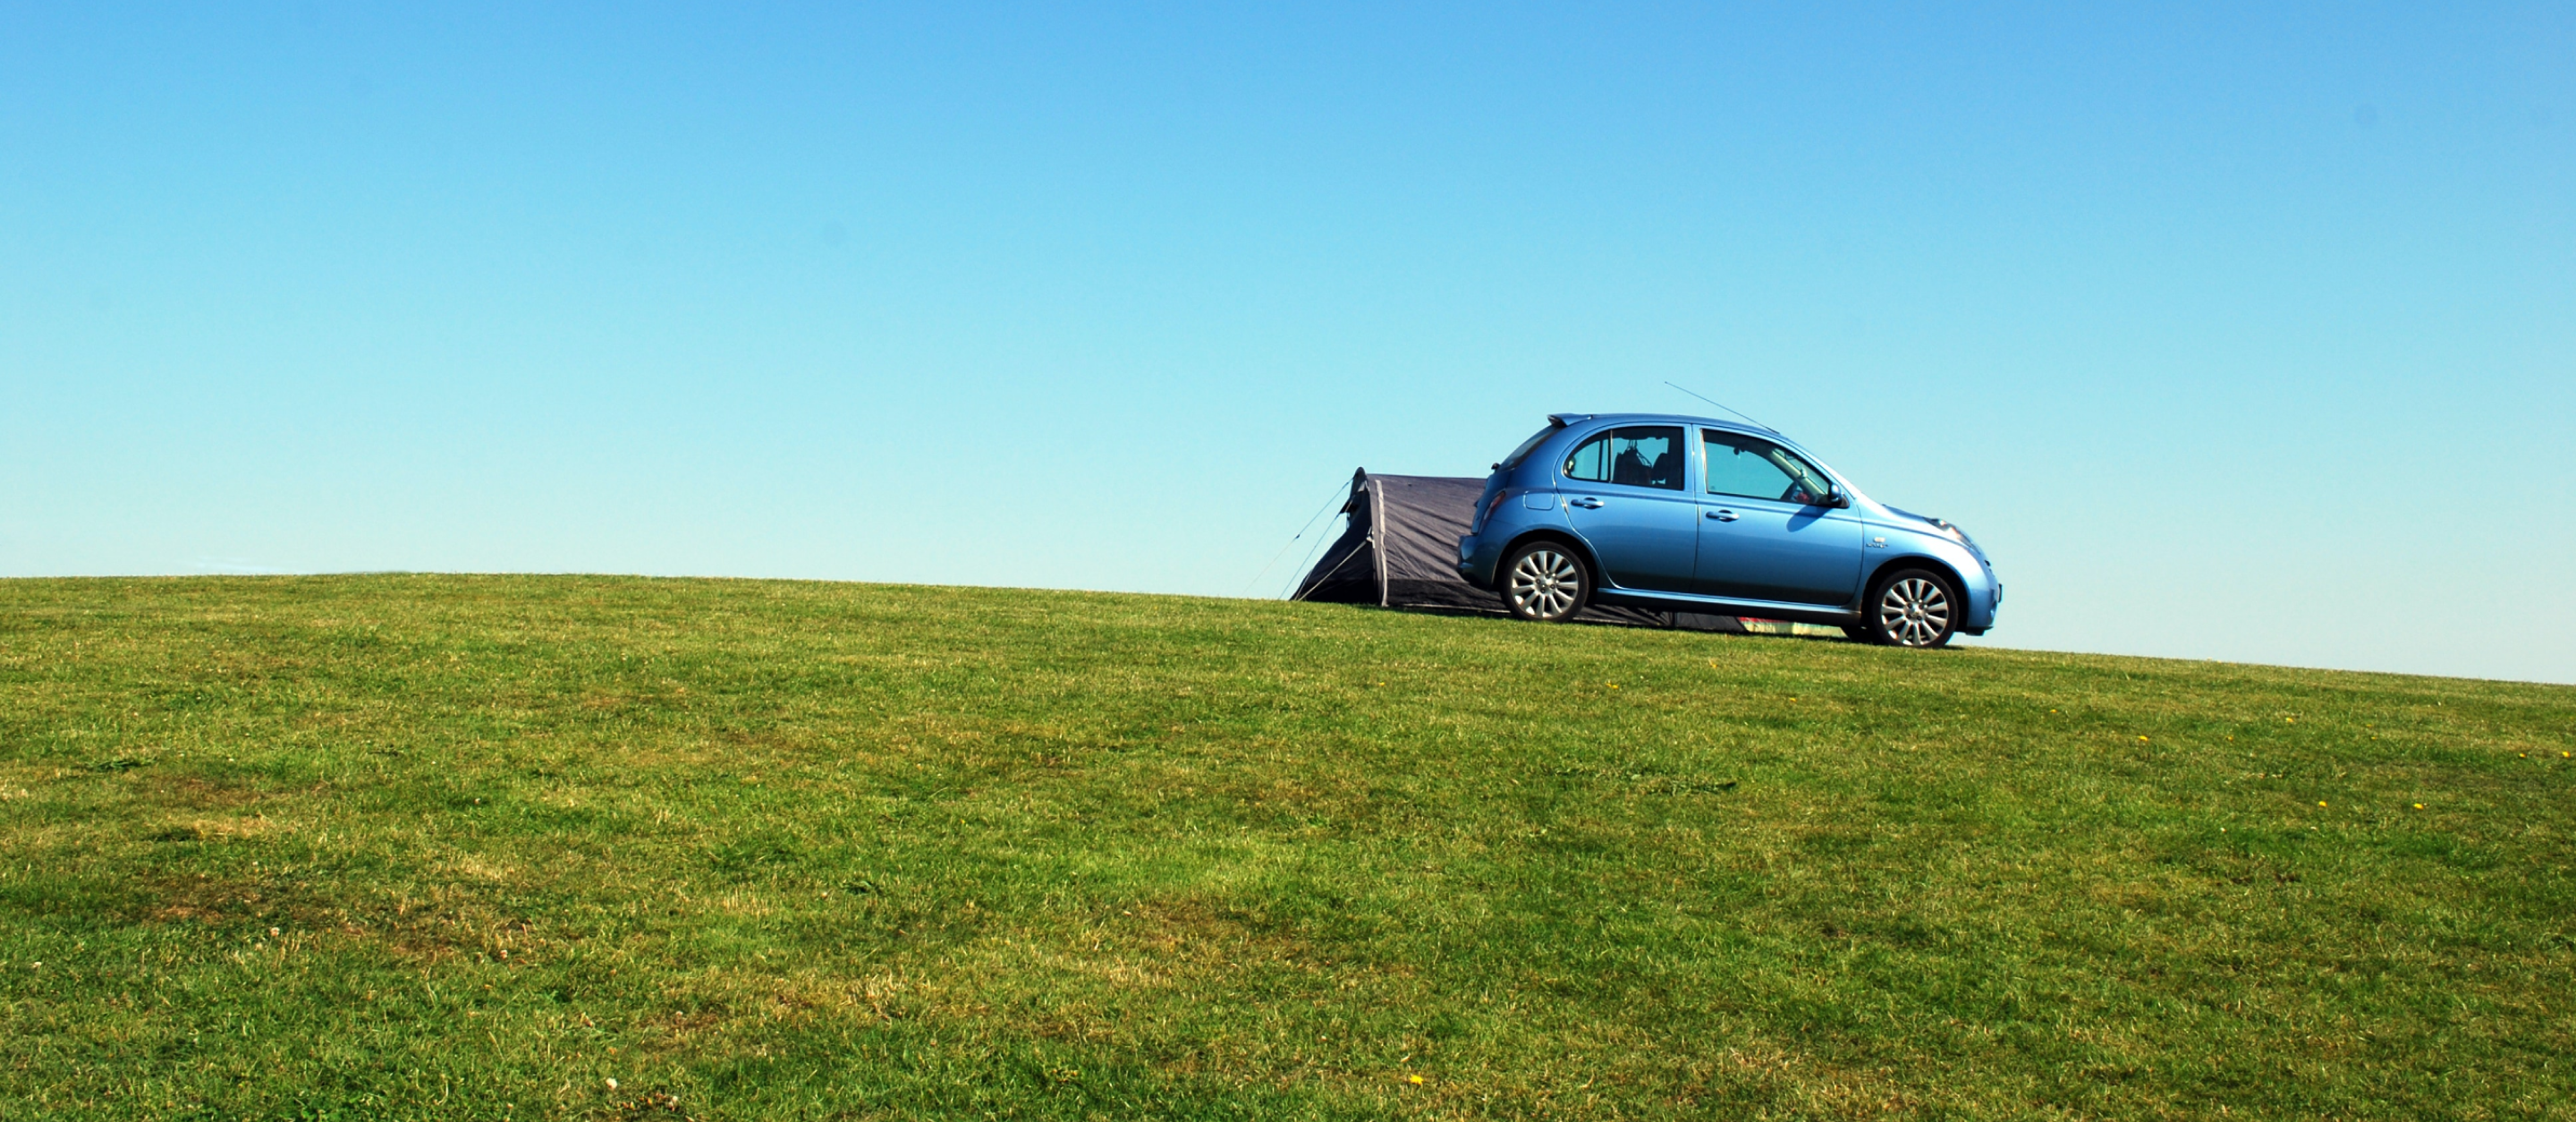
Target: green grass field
474, 847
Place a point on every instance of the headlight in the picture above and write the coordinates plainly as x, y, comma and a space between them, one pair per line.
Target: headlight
1960, 536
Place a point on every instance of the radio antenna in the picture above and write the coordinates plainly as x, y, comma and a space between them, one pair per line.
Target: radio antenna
1714, 401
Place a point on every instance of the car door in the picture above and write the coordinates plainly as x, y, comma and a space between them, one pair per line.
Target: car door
1624, 493
1765, 531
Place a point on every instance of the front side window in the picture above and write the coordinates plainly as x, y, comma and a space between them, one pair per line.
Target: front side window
1643, 456
1753, 468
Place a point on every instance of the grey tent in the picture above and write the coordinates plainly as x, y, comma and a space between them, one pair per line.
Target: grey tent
1400, 550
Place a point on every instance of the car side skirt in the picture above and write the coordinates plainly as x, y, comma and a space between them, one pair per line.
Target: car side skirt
1723, 606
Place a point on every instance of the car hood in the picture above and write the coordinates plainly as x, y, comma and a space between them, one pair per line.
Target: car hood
1936, 523
1939, 524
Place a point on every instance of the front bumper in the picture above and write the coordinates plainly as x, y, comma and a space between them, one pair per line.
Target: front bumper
1984, 605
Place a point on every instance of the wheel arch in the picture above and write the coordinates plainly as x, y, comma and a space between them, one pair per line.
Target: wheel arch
1911, 561
1582, 552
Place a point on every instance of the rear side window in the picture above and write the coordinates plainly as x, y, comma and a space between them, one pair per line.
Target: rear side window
1514, 460
1643, 456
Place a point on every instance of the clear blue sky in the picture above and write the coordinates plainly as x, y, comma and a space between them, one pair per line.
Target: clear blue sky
2236, 333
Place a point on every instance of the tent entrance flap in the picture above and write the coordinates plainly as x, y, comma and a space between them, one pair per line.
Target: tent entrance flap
1400, 550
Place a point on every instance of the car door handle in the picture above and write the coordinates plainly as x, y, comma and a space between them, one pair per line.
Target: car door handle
1722, 515
1587, 502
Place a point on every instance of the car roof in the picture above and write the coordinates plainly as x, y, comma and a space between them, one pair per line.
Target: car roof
1571, 419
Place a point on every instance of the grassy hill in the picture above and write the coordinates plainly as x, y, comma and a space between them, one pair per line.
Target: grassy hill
473, 847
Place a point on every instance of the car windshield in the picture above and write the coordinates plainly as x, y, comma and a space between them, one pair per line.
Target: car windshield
1522, 452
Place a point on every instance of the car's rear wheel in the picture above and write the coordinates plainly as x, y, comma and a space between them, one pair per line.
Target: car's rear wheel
1545, 582
1913, 608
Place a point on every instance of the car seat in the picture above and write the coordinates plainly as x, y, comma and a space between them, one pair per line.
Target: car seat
1630, 469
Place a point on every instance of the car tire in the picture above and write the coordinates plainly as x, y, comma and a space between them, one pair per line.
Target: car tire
1912, 608
1544, 582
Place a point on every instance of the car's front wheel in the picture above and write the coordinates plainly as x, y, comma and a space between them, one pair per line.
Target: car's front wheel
1545, 582
1913, 608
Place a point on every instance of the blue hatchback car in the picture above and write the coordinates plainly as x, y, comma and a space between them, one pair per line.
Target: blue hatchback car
1673, 513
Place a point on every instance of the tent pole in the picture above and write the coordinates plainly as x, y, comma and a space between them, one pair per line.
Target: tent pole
1377, 526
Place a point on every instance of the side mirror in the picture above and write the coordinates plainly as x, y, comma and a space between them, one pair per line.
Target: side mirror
1837, 500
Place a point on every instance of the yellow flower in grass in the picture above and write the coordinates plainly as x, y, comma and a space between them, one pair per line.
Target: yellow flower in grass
1416, 1080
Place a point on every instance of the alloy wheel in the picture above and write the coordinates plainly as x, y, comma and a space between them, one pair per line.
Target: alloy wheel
1546, 584
1914, 612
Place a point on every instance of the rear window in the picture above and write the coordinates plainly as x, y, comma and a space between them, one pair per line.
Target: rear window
1522, 452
